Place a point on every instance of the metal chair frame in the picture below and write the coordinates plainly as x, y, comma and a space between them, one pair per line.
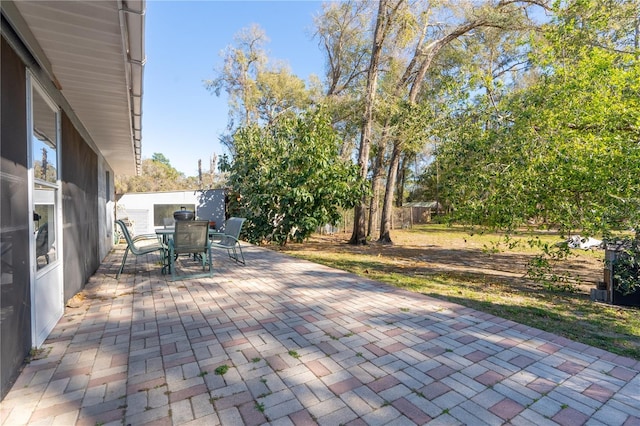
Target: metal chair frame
139, 245
230, 239
190, 237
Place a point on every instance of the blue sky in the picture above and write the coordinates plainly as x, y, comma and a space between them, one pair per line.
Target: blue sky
183, 41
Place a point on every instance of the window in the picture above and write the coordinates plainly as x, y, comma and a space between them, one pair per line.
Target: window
162, 211
44, 161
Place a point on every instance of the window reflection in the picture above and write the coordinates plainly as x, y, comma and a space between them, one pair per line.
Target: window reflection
45, 229
45, 179
45, 162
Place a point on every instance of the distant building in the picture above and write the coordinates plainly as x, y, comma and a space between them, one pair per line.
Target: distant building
422, 211
148, 210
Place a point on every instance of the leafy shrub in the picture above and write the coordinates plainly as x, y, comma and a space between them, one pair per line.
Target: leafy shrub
288, 178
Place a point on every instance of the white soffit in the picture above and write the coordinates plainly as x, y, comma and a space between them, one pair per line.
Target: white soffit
96, 52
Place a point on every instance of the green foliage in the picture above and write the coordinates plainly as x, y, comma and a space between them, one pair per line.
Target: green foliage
221, 369
280, 92
258, 89
294, 354
289, 178
563, 151
541, 267
225, 163
160, 158
626, 268
155, 176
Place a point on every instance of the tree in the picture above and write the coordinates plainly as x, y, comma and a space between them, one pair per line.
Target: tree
463, 88
289, 179
430, 42
385, 18
342, 37
564, 151
343, 33
259, 91
238, 75
407, 37
280, 92
213, 178
160, 158
157, 175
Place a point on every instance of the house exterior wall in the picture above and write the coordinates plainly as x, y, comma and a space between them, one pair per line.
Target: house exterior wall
79, 168
85, 235
106, 209
15, 296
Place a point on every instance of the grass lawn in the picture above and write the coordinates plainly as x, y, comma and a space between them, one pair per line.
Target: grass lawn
472, 270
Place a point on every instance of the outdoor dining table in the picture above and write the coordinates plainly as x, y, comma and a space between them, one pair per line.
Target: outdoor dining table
167, 233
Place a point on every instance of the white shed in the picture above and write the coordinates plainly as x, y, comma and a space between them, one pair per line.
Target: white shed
147, 211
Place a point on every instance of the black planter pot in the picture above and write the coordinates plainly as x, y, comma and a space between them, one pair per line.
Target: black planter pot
612, 253
620, 299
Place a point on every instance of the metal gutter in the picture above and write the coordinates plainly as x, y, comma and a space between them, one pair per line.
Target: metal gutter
134, 58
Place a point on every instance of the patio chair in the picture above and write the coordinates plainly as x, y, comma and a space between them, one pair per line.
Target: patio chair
139, 245
191, 237
230, 239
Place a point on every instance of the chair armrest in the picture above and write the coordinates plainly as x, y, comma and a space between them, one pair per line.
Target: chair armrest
216, 236
227, 241
144, 237
148, 242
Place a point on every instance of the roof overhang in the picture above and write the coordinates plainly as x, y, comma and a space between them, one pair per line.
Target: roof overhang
93, 52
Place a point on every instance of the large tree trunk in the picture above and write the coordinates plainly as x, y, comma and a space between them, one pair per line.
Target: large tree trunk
387, 207
373, 201
378, 170
382, 27
427, 53
401, 180
413, 79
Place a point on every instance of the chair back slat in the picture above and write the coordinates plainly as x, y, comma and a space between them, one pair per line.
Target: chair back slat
125, 232
232, 228
230, 240
191, 236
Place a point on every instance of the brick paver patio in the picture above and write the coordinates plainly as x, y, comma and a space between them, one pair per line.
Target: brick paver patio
284, 341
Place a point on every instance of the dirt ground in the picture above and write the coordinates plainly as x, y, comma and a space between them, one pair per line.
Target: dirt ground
458, 253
